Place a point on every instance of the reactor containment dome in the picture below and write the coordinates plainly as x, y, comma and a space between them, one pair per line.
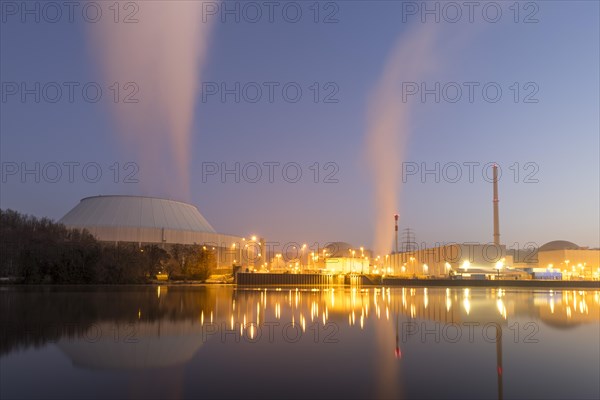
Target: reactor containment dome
138, 219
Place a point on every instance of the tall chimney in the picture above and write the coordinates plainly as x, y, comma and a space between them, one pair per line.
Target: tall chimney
496, 217
396, 228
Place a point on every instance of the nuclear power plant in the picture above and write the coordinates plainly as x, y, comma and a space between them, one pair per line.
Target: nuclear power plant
149, 220
466, 260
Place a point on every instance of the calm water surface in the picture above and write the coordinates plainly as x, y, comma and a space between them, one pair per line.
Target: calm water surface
196, 341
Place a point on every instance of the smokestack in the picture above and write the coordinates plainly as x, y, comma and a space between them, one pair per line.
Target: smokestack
396, 228
496, 217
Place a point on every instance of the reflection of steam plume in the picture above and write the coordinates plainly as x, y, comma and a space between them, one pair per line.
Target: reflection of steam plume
161, 53
388, 124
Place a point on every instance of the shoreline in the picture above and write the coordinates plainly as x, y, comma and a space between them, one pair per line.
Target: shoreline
549, 284
386, 282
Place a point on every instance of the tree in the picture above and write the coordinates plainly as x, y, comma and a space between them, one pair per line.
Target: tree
202, 262
155, 257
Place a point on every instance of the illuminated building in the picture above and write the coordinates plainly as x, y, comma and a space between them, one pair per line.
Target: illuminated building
150, 220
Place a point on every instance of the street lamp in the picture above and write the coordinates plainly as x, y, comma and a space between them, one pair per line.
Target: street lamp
218, 256
242, 246
465, 265
302, 257
499, 266
233, 251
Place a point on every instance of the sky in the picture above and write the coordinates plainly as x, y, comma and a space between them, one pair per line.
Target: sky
527, 75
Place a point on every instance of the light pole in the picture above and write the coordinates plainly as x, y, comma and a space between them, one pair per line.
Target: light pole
302, 257
499, 266
218, 258
241, 258
233, 251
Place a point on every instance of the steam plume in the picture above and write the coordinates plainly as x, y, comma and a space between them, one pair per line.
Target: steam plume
162, 54
388, 124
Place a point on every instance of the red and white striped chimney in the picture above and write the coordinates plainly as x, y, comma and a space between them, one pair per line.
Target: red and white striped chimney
396, 229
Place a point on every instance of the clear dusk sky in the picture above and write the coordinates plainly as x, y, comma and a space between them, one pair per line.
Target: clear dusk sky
543, 130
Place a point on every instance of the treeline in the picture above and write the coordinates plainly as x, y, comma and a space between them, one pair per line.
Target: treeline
39, 250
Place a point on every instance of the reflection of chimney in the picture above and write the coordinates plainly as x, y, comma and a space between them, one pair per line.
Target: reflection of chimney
396, 228
496, 217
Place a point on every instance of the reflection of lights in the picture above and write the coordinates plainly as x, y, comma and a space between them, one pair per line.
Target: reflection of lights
501, 307
467, 305
202, 317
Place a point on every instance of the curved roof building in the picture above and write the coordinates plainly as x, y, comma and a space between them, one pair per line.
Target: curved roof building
139, 219
559, 245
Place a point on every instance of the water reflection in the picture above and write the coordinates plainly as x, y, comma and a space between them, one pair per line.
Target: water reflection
374, 342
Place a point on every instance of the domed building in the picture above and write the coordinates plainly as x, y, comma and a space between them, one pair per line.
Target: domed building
147, 220
558, 245
571, 260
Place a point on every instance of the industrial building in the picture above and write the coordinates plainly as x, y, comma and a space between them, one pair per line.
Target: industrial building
150, 220
464, 260
558, 259
341, 257
567, 259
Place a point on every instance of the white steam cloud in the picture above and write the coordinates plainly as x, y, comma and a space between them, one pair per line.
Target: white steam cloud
389, 124
161, 55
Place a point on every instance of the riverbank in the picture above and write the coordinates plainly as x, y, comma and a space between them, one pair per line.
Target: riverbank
530, 283
307, 280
